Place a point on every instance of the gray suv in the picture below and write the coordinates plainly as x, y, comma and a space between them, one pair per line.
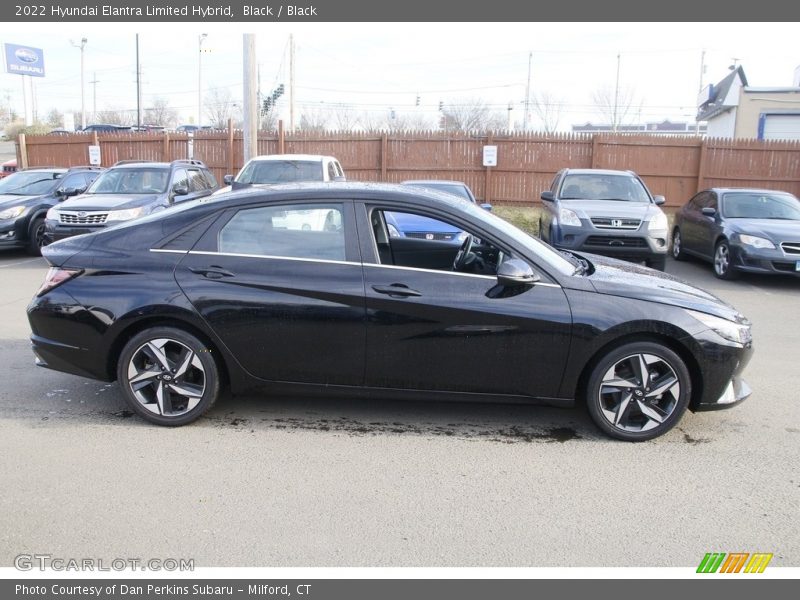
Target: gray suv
128, 190
605, 212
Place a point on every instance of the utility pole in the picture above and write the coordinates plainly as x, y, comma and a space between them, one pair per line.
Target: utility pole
250, 104
94, 83
200, 39
291, 82
81, 47
700, 86
527, 94
616, 98
138, 88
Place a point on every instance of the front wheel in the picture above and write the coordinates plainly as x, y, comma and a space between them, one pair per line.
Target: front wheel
677, 245
723, 261
168, 376
36, 237
638, 391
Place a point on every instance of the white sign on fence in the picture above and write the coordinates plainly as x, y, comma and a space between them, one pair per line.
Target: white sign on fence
490, 156
94, 155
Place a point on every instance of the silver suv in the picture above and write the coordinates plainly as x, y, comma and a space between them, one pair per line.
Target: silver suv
605, 212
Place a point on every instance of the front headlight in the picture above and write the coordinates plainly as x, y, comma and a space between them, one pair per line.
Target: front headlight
12, 213
52, 214
658, 225
733, 332
756, 242
569, 217
125, 215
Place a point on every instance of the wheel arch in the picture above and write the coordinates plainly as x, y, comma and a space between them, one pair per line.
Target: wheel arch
670, 342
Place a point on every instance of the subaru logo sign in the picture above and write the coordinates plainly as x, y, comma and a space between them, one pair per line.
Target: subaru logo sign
82, 214
26, 55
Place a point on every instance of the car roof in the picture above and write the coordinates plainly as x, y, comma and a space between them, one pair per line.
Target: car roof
306, 157
139, 165
599, 172
725, 190
432, 181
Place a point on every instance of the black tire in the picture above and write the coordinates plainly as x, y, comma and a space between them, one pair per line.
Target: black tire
640, 412
723, 261
677, 246
36, 238
199, 380
659, 263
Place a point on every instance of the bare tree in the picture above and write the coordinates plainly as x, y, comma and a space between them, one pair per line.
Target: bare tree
116, 116
343, 117
219, 106
314, 119
616, 106
548, 108
54, 119
471, 115
160, 113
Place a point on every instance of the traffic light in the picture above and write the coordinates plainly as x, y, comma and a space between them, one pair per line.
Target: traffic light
441, 106
417, 103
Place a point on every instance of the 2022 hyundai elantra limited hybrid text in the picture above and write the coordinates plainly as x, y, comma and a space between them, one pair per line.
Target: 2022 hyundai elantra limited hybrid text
230, 290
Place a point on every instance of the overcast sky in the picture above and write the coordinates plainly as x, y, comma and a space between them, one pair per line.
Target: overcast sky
377, 67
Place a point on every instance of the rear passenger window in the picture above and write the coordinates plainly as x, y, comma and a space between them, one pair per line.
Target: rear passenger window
311, 231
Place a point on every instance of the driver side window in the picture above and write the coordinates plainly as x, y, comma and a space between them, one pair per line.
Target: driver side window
407, 239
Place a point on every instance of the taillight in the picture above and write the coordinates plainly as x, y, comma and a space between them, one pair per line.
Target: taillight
55, 277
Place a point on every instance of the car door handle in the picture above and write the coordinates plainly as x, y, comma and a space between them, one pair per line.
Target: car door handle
396, 289
212, 272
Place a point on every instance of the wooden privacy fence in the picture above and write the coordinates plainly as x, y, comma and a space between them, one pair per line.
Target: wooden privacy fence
674, 166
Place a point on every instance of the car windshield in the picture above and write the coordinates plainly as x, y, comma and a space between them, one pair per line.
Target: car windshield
280, 171
596, 186
30, 183
131, 181
760, 205
451, 188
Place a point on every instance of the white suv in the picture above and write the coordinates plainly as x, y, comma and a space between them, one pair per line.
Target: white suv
272, 169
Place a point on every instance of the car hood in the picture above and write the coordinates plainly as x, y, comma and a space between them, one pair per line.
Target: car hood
108, 201
612, 208
620, 278
776, 230
9, 200
408, 223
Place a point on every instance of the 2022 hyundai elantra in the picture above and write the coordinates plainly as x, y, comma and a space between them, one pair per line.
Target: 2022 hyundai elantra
230, 291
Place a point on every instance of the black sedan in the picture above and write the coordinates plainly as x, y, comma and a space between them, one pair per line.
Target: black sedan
738, 229
232, 290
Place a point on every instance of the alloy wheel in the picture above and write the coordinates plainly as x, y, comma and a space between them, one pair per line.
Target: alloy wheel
639, 393
676, 244
722, 260
166, 377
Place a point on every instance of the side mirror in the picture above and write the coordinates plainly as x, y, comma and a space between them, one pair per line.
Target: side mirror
547, 196
180, 190
708, 211
227, 179
659, 200
486, 206
69, 192
515, 272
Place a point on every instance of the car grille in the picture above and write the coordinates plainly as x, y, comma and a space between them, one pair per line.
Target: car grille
432, 236
791, 247
602, 241
614, 223
82, 218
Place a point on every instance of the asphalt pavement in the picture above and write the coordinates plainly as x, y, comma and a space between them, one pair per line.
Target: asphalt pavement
272, 481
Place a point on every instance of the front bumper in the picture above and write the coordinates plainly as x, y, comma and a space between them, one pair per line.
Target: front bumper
14, 233
54, 231
617, 243
766, 262
722, 364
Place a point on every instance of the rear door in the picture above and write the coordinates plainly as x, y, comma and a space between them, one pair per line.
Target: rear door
287, 301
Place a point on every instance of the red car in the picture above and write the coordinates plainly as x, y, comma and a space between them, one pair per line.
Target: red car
8, 167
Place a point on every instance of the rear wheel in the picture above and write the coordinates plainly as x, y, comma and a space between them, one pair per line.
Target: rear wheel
168, 376
723, 261
36, 237
677, 245
638, 391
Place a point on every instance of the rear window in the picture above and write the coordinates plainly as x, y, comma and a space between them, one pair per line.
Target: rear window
281, 171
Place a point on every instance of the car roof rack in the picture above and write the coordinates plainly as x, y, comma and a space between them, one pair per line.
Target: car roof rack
131, 161
86, 168
188, 161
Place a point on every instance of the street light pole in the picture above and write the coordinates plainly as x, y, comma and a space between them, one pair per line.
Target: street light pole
81, 46
200, 39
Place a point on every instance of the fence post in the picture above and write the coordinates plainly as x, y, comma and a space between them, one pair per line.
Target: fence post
281, 138
22, 156
165, 150
384, 150
487, 185
595, 148
230, 146
701, 167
